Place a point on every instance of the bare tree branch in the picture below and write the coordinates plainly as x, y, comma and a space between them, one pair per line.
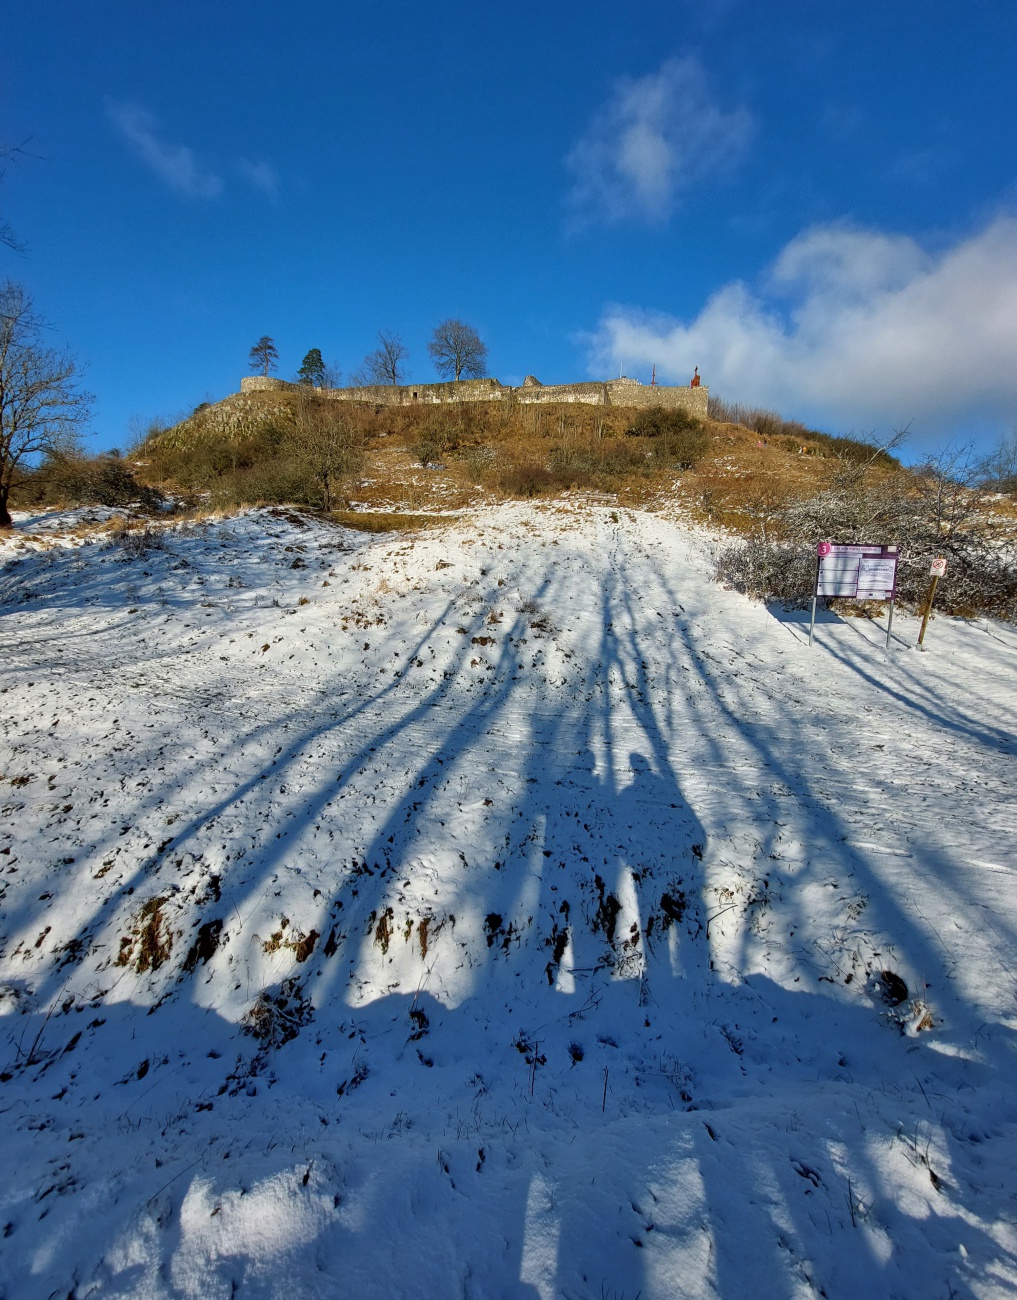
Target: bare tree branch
385, 364
456, 350
41, 408
7, 235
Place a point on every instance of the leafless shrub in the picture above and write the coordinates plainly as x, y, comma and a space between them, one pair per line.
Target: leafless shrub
934, 510
997, 472
528, 480
275, 1018
106, 480
438, 436
135, 543
767, 570
328, 447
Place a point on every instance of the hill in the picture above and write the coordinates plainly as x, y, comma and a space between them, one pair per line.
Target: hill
498, 909
482, 450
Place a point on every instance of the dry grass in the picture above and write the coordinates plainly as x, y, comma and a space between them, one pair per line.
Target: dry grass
382, 521
149, 941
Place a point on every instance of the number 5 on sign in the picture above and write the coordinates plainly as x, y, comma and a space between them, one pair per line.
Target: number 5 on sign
936, 571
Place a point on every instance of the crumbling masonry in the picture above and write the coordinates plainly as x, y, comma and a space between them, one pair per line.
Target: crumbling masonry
612, 392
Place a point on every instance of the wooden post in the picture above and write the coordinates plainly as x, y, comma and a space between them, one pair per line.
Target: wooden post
937, 571
889, 624
603, 1100
928, 609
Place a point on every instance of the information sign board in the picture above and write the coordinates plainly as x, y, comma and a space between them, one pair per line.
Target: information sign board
858, 572
938, 567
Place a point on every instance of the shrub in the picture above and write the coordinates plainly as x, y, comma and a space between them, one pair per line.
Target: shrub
527, 480
768, 571
680, 441
655, 421
908, 510
438, 436
135, 543
89, 480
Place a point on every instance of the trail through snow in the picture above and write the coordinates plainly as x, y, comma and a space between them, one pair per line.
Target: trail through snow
499, 911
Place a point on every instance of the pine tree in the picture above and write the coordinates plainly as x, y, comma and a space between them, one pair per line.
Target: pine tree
264, 355
312, 369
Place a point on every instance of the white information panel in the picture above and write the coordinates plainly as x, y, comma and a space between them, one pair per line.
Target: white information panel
858, 572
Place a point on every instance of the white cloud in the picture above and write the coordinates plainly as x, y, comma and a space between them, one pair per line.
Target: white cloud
850, 328
260, 176
175, 164
656, 136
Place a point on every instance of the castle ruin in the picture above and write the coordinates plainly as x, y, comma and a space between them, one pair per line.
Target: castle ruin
611, 392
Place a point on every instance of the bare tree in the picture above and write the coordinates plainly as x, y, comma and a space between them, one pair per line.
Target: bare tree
456, 350
385, 364
41, 408
7, 235
327, 444
998, 471
264, 356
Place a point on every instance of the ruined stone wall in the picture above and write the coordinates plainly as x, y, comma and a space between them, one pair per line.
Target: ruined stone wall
629, 392
615, 392
467, 390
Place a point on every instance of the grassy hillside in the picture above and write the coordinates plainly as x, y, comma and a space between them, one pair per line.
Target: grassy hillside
244, 450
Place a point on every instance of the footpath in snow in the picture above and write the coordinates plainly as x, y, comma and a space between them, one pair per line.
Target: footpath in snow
500, 911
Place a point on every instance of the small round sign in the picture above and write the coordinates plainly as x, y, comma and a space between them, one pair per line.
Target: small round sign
938, 567
824, 548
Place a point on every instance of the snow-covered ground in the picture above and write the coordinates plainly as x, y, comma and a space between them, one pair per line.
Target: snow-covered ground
495, 912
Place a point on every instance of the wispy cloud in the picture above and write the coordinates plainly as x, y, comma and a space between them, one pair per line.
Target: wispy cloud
261, 176
656, 136
855, 328
176, 165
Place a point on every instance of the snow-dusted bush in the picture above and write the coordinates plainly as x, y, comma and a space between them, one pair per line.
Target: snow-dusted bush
927, 513
135, 543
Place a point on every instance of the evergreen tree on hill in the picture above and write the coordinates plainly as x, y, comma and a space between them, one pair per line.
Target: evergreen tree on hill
312, 369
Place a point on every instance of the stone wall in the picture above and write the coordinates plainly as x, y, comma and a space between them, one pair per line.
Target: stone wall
615, 392
261, 384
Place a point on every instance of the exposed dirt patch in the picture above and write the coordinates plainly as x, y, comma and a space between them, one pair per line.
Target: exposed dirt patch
149, 942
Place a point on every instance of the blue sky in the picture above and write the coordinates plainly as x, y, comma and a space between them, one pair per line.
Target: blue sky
816, 203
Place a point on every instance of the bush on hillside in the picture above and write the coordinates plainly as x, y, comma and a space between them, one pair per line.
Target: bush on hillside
680, 441
528, 480
106, 480
438, 435
303, 452
326, 446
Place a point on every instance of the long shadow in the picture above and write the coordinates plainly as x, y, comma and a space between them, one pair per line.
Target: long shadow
826, 838
561, 888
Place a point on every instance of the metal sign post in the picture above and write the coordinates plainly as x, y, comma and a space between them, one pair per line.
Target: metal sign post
858, 572
822, 549
936, 572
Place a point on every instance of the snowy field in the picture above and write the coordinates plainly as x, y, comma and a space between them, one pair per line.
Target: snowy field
502, 911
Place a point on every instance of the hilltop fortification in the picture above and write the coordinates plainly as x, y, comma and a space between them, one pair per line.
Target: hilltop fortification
611, 392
